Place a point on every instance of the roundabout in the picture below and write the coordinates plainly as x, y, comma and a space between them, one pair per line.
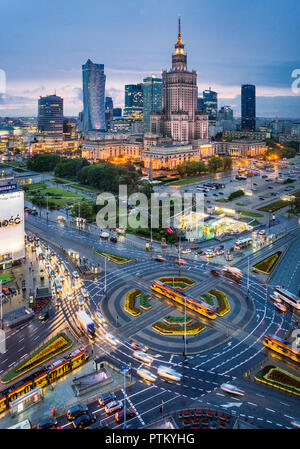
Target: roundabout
147, 326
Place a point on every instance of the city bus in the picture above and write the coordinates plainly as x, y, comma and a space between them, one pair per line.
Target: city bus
233, 273
286, 296
242, 243
196, 305
282, 347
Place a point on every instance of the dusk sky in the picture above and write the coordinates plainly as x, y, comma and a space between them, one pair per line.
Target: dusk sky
44, 44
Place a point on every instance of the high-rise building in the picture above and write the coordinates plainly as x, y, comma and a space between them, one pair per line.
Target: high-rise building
179, 118
210, 100
117, 112
200, 104
133, 102
93, 79
109, 107
225, 113
70, 129
248, 108
152, 99
51, 116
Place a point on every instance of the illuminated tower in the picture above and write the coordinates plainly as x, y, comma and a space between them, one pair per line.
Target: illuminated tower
179, 118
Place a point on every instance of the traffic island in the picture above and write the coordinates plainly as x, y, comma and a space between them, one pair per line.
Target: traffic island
131, 299
52, 348
279, 378
181, 282
223, 305
267, 265
171, 325
114, 258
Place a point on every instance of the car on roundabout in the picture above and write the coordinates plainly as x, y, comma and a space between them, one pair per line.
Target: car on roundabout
186, 251
145, 358
159, 258
146, 374
232, 389
111, 339
139, 346
169, 373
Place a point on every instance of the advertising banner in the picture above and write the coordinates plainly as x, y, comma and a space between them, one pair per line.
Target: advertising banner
12, 225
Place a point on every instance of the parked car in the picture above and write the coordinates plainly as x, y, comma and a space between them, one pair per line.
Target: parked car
114, 239
113, 406
84, 421
76, 411
12, 290
107, 398
130, 413
48, 424
5, 291
43, 315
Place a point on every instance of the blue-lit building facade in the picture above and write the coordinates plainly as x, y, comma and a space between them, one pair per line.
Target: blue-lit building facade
248, 107
152, 99
93, 79
51, 116
210, 102
133, 102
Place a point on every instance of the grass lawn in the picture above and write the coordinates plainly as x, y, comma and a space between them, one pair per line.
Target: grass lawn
251, 214
184, 181
273, 207
84, 188
58, 197
222, 200
5, 279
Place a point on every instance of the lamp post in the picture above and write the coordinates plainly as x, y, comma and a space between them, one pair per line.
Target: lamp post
184, 351
105, 285
125, 370
1, 298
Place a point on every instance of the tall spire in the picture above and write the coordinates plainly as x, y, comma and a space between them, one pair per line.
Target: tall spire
179, 40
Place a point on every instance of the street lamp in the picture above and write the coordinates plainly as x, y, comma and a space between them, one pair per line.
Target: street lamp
105, 285
1, 299
125, 370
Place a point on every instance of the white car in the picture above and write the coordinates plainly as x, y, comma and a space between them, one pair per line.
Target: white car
147, 375
75, 274
99, 317
69, 296
232, 389
186, 251
143, 357
80, 301
85, 293
62, 278
169, 373
111, 339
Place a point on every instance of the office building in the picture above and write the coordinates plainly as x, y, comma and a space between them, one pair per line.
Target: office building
225, 113
200, 104
117, 112
152, 99
179, 118
248, 108
51, 116
210, 102
133, 102
93, 79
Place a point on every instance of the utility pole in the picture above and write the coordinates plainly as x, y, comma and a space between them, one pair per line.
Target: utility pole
47, 208
248, 277
125, 370
105, 259
184, 352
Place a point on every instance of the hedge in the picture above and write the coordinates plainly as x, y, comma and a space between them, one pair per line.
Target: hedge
55, 346
266, 265
114, 258
177, 320
144, 301
175, 329
181, 281
129, 305
223, 304
278, 378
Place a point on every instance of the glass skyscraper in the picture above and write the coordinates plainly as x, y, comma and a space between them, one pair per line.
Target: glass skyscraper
93, 79
133, 102
210, 101
152, 99
248, 107
51, 116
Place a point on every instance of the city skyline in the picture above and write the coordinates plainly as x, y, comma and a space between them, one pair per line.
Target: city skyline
245, 49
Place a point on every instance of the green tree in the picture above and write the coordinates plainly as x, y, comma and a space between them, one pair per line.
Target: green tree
86, 210
214, 164
43, 162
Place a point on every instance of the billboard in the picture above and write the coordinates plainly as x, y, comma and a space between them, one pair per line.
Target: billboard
12, 245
